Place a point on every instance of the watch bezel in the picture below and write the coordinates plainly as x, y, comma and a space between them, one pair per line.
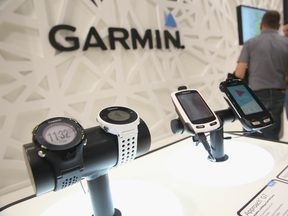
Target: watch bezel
39, 140
104, 115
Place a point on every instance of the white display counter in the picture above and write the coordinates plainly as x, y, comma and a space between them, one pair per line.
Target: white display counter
175, 180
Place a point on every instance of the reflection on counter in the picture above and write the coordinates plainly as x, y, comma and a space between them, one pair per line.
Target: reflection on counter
131, 197
246, 163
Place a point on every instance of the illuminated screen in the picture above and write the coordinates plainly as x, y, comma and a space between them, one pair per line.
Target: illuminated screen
195, 107
244, 99
59, 133
249, 20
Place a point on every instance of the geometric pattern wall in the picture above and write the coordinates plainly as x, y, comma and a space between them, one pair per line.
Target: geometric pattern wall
39, 82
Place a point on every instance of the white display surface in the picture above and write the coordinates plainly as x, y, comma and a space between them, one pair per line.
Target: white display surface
148, 186
132, 197
223, 174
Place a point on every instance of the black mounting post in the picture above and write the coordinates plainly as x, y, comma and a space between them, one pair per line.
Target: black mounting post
101, 199
216, 137
217, 145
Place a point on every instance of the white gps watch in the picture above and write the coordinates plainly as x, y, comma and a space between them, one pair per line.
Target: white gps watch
123, 122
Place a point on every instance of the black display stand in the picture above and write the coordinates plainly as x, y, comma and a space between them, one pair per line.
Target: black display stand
99, 155
101, 199
217, 145
216, 137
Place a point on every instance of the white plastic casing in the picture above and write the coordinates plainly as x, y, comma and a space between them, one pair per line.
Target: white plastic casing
127, 135
198, 128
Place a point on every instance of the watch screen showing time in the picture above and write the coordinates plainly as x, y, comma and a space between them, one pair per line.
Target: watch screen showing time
194, 106
59, 133
118, 115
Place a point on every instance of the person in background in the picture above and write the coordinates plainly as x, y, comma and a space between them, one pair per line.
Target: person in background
266, 57
285, 28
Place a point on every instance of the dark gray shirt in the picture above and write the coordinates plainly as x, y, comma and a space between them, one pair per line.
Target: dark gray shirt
267, 58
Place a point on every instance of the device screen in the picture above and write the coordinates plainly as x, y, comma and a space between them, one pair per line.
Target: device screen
244, 99
195, 108
59, 133
118, 115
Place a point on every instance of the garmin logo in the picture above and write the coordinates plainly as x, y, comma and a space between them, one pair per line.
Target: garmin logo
119, 35
57, 120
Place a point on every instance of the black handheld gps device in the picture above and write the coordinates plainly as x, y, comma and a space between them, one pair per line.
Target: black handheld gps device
246, 106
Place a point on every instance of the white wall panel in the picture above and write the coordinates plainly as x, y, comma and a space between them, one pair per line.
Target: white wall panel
38, 82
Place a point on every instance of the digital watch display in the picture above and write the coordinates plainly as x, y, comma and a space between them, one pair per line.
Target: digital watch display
123, 122
61, 141
58, 134
118, 115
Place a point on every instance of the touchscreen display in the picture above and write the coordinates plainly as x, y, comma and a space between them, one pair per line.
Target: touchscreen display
195, 107
244, 99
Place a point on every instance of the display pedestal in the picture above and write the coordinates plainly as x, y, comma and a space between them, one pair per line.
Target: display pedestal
101, 199
217, 145
217, 140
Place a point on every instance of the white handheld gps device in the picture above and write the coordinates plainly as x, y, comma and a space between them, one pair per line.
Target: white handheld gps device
194, 112
246, 106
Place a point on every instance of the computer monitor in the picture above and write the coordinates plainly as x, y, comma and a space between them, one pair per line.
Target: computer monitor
285, 10
249, 19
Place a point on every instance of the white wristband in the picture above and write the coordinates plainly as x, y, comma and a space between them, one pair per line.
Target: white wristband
127, 148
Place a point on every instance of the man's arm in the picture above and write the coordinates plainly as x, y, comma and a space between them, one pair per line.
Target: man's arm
241, 70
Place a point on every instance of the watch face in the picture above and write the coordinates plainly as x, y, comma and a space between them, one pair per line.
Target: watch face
58, 134
118, 115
